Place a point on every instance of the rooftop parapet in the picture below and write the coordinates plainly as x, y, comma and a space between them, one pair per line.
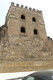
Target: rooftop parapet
30, 9
17, 5
12, 3
50, 38
33, 9
26, 7
22, 6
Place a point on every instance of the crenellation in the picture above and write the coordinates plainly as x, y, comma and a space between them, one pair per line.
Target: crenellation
50, 38
39, 11
26, 7
17, 5
12, 3
22, 6
34, 9
30, 8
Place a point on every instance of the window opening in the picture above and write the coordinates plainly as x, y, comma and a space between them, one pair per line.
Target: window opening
22, 16
35, 31
22, 29
34, 19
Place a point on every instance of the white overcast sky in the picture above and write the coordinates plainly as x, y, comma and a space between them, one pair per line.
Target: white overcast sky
45, 5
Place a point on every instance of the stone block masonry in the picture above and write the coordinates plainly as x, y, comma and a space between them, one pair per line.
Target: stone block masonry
24, 45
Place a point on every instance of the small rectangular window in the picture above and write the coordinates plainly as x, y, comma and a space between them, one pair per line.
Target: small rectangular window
22, 29
35, 31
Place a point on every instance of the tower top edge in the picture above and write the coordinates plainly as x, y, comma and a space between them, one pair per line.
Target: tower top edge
25, 7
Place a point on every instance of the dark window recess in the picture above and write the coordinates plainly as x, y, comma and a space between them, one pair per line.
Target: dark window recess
35, 31
34, 19
22, 16
22, 29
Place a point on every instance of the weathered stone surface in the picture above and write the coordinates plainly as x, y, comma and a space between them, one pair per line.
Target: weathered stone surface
24, 51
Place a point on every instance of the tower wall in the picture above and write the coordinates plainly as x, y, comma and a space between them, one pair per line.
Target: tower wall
15, 22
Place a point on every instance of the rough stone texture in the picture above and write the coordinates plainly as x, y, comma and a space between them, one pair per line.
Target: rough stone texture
24, 51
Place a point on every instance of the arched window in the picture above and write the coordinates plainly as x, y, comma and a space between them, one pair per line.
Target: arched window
35, 31
34, 19
22, 29
22, 16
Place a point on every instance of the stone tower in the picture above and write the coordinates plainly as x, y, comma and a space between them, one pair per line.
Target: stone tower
28, 20
23, 39
26, 31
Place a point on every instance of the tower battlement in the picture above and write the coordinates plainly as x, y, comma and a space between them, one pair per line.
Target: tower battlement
22, 6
